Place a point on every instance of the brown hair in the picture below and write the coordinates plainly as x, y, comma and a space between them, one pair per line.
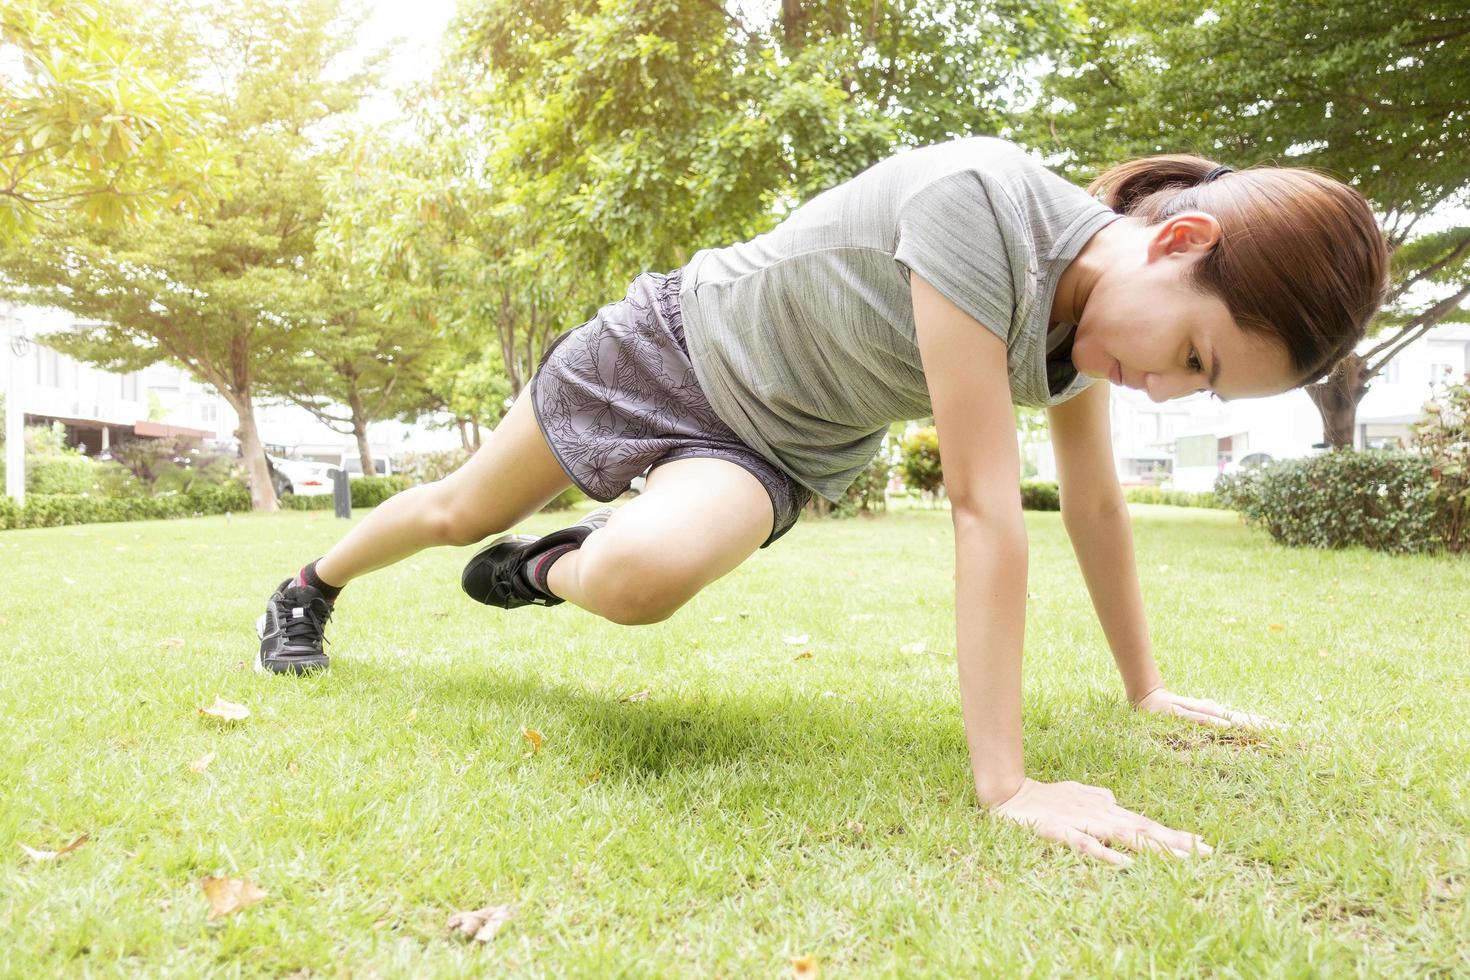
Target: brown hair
1300, 257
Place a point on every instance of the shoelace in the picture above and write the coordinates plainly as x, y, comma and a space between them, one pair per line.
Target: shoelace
315, 613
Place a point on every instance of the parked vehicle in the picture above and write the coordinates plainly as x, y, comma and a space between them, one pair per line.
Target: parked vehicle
303, 477
352, 465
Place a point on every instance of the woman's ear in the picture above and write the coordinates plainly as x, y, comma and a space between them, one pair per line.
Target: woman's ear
1187, 231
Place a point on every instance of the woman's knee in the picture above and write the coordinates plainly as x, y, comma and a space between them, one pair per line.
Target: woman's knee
632, 586
449, 522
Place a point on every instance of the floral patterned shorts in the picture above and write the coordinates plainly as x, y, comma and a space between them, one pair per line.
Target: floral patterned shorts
617, 396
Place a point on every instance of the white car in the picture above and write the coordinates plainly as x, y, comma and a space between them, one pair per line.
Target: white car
352, 465
303, 477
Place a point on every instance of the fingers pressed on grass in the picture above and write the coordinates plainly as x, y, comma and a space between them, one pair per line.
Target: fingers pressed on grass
1094, 848
1201, 717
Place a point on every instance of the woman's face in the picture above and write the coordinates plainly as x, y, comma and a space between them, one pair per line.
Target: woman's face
1143, 328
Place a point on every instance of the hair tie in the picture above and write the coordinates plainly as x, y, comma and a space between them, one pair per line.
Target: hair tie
1217, 172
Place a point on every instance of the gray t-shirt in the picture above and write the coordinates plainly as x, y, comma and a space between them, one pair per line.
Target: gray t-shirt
803, 337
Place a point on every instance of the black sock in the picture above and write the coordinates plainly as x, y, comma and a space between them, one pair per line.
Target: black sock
535, 568
308, 576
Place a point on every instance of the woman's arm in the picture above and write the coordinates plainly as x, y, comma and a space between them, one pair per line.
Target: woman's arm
965, 369
1096, 518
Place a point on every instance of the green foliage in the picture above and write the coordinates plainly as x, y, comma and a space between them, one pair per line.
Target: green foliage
296, 501
66, 474
223, 293
1174, 498
55, 510
868, 494
427, 467
566, 499
91, 122
918, 461
174, 464
1040, 495
1442, 434
367, 491
1380, 500
370, 491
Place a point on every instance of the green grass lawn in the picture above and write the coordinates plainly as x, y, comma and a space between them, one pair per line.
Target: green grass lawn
755, 807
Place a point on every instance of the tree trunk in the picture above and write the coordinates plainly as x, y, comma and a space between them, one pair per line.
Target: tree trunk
475, 428
262, 493
359, 429
464, 436
1337, 399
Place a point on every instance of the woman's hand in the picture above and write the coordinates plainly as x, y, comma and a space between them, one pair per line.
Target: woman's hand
1087, 819
1162, 702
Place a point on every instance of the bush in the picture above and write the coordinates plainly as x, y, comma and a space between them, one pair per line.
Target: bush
295, 501
67, 473
565, 499
370, 491
918, 460
1040, 495
1379, 499
56, 510
1174, 498
1442, 434
175, 464
430, 466
367, 491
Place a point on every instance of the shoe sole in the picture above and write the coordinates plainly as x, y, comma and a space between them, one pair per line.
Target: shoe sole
261, 668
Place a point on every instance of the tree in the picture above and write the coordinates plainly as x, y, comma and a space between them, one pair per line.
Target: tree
89, 122
1374, 94
361, 367
564, 147
218, 293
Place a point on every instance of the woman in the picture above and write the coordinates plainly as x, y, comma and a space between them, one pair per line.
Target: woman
950, 280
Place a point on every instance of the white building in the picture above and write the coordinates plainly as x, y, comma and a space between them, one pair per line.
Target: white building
100, 407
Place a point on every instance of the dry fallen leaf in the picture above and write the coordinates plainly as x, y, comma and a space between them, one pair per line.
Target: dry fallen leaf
534, 737
799, 640
1275, 627
412, 714
856, 826
635, 696
804, 967
592, 777
292, 766
227, 895
173, 641
803, 656
226, 710
481, 925
202, 763
918, 647
39, 856
718, 619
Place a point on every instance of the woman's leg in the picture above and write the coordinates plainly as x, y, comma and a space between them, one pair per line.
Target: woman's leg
696, 520
510, 478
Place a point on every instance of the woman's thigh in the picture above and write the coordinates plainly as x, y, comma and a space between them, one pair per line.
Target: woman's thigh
509, 478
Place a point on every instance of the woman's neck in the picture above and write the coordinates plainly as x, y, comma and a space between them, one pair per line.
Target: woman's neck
1083, 272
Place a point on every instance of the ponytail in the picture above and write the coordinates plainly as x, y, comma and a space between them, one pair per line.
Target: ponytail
1300, 260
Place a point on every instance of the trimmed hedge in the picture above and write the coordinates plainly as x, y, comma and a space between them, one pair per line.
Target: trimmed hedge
1174, 498
60, 509
367, 491
1378, 499
1040, 495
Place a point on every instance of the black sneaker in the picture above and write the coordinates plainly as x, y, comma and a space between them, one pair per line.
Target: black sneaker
494, 577
290, 630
